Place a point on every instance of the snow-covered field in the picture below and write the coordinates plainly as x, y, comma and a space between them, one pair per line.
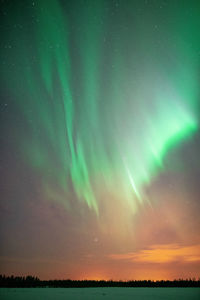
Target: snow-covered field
99, 293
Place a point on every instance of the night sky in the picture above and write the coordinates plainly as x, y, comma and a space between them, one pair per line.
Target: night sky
100, 139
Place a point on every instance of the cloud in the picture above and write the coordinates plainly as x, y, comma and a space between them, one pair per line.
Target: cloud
162, 254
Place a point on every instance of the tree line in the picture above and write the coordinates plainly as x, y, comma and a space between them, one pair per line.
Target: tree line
31, 281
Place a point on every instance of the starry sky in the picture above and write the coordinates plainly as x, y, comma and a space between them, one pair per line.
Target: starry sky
100, 139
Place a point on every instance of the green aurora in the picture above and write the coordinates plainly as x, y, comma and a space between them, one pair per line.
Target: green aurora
104, 96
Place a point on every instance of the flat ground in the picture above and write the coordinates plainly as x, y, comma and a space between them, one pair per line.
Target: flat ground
99, 293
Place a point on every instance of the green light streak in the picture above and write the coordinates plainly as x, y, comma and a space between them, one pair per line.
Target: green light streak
99, 109
133, 184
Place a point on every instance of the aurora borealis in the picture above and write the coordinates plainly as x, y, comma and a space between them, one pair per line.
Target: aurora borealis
100, 139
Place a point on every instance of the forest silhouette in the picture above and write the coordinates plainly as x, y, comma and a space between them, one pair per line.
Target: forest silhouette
31, 281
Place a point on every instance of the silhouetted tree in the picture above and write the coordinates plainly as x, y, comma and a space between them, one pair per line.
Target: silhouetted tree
31, 281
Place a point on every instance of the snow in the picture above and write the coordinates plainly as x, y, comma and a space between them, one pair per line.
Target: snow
99, 293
